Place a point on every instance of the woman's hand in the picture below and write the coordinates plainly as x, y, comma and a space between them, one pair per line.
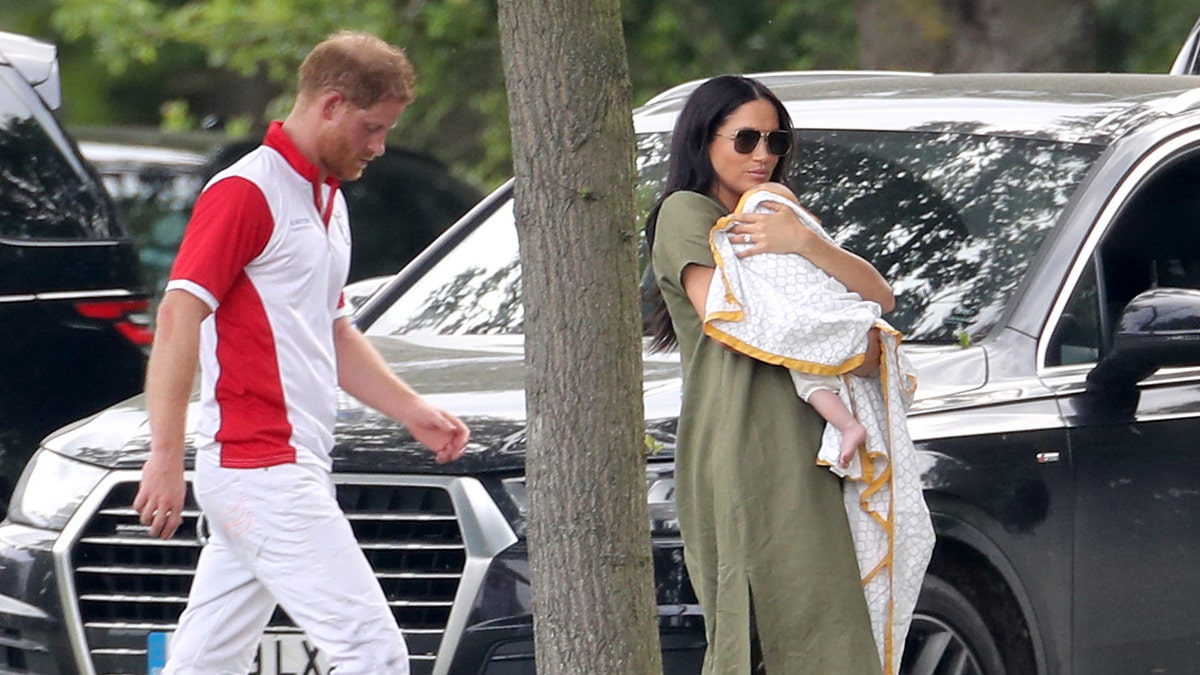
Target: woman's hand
779, 231
870, 365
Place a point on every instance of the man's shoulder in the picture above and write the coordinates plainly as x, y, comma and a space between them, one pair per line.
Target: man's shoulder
262, 174
261, 166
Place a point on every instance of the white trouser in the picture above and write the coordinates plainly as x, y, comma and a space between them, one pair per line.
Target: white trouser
277, 535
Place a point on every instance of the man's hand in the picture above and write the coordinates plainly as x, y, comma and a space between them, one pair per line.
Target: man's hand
364, 374
160, 496
444, 434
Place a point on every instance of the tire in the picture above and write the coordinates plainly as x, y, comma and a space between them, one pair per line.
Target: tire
948, 636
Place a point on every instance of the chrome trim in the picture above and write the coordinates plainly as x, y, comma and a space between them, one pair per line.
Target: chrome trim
485, 532
137, 571
484, 529
128, 625
1119, 197
1047, 457
420, 603
130, 597
68, 598
62, 243
86, 295
1072, 380
992, 412
138, 541
115, 293
202, 533
988, 423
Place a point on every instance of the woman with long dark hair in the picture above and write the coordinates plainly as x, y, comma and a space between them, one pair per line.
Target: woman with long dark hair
765, 532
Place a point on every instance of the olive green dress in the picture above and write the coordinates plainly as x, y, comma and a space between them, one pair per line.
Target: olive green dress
759, 518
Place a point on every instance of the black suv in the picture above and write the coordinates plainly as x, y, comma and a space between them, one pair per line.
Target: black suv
72, 307
1042, 233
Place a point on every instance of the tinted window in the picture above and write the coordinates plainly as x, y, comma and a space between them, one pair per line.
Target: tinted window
1152, 243
42, 196
951, 220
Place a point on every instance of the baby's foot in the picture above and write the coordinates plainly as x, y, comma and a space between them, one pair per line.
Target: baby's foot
853, 436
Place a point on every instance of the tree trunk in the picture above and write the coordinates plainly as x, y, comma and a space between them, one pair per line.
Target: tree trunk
977, 35
569, 109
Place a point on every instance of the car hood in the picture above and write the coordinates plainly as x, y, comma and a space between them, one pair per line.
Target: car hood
480, 379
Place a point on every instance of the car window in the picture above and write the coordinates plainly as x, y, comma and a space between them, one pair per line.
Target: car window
950, 219
1078, 336
42, 195
476, 288
1153, 242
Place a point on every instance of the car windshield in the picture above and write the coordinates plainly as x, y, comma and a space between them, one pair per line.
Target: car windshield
951, 220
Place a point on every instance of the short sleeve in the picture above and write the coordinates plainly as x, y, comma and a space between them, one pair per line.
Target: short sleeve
230, 226
682, 236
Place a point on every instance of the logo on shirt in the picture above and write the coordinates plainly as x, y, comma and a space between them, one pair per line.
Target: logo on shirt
339, 224
300, 223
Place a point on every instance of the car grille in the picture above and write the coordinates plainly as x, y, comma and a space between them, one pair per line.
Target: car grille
129, 584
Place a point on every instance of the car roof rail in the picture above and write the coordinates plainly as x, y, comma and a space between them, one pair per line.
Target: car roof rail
1187, 61
1180, 103
769, 78
37, 62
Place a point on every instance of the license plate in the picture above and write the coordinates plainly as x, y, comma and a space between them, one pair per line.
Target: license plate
278, 654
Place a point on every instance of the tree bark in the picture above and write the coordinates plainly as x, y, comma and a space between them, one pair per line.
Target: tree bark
951, 36
569, 109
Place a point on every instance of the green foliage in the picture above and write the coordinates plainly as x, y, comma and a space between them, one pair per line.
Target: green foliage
677, 40
1143, 36
27, 17
461, 111
124, 58
124, 32
176, 116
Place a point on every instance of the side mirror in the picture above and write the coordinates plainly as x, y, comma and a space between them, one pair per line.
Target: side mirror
1159, 328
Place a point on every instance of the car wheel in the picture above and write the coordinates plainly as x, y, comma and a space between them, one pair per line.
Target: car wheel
948, 636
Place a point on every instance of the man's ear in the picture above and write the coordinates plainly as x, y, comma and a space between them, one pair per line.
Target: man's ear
330, 104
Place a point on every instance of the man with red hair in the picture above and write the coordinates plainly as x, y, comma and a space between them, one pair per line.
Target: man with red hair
255, 299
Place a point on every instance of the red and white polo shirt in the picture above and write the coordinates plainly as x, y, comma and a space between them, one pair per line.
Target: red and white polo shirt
271, 266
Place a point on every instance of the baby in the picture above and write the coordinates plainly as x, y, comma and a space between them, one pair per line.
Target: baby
783, 309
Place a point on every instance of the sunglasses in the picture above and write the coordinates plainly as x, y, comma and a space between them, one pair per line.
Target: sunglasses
779, 142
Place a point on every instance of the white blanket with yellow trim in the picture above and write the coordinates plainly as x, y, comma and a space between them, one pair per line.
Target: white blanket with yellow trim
782, 309
806, 320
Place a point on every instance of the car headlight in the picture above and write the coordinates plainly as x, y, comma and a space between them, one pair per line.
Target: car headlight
50, 490
660, 497
518, 500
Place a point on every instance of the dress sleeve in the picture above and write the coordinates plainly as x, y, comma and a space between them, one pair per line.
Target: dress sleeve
684, 223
